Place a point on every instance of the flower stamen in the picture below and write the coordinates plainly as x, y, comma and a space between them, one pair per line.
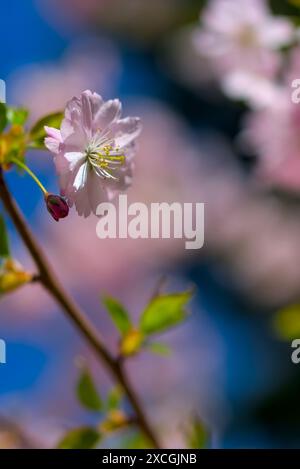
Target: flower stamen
105, 158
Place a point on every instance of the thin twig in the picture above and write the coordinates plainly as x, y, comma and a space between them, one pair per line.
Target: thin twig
159, 287
49, 280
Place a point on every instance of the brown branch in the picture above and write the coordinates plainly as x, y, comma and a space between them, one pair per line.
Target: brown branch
49, 280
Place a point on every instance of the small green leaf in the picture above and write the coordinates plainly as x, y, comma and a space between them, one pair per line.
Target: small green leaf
80, 438
198, 437
4, 244
37, 134
87, 392
17, 116
137, 440
3, 117
159, 349
164, 311
114, 398
118, 314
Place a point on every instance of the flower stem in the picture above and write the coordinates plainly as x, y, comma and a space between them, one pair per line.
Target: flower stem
49, 280
28, 170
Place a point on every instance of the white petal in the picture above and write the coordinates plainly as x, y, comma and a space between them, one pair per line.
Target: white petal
276, 33
81, 177
74, 158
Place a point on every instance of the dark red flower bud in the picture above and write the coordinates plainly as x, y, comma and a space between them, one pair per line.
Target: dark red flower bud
57, 206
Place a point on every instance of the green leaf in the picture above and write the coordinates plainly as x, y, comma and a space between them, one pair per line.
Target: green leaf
3, 117
80, 438
163, 312
198, 437
17, 116
286, 322
114, 398
87, 392
4, 244
159, 349
37, 134
118, 314
136, 441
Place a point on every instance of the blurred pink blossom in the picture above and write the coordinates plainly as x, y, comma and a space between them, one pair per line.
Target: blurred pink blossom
242, 38
257, 91
273, 134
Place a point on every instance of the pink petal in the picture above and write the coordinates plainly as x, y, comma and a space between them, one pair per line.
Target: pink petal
87, 118
52, 144
126, 130
96, 103
53, 132
82, 203
77, 140
96, 192
109, 112
54, 139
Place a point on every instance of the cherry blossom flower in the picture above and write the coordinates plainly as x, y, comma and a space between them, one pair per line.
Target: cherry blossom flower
93, 150
273, 134
242, 38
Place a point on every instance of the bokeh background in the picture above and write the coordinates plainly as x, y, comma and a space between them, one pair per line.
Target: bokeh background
229, 365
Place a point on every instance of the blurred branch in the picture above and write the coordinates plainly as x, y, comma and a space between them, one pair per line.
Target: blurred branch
36, 278
159, 287
49, 280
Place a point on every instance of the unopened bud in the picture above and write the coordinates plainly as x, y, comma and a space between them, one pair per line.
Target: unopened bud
56, 206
